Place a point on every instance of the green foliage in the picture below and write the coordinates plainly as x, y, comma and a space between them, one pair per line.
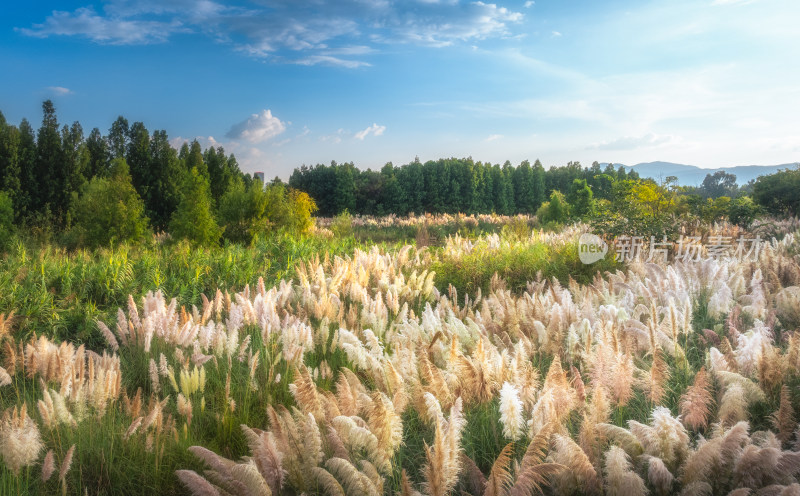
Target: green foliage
242, 212
109, 210
743, 211
248, 213
516, 263
556, 210
777, 193
193, 219
301, 206
6, 220
641, 208
581, 199
342, 225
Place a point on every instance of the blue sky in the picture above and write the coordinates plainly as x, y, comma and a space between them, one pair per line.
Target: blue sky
283, 83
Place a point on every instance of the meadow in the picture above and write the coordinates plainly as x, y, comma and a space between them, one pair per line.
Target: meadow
400, 355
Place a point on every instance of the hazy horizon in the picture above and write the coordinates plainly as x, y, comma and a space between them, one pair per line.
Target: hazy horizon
707, 83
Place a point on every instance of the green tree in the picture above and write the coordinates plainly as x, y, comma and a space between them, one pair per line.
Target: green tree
743, 211
778, 193
110, 210
24, 203
193, 219
719, 184
137, 154
166, 176
249, 212
118, 137
6, 220
10, 163
99, 155
556, 210
48, 161
75, 161
581, 199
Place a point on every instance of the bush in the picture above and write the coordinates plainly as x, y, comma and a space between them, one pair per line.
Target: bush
743, 211
554, 210
250, 213
342, 225
109, 210
301, 206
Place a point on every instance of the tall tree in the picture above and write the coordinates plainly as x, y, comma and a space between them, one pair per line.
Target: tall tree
167, 177
118, 137
137, 154
99, 155
75, 161
193, 219
49, 156
25, 205
10, 165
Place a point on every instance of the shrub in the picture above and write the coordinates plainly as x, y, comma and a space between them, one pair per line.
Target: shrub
743, 211
342, 225
109, 210
554, 210
301, 206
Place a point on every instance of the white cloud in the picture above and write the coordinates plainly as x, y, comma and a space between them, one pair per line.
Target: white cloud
374, 130
555, 34
494, 137
333, 61
731, 2
257, 128
85, 22
338, 33
633, 142
461, 22
529, 4
59, 90
335, 138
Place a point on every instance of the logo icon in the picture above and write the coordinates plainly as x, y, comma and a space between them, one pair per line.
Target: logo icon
591, 248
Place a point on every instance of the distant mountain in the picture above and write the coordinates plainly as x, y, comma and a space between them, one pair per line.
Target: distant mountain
691, 175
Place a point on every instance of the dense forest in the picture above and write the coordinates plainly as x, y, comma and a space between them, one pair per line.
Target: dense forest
102, 189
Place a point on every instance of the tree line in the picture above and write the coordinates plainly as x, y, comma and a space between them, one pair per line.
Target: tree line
120, 186
448, 186
100, 189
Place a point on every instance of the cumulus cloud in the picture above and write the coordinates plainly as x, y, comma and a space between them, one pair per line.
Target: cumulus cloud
633, 142
374, 130
257, 128
338, 33
59, 90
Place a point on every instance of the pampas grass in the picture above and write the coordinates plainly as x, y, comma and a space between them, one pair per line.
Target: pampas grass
357, 375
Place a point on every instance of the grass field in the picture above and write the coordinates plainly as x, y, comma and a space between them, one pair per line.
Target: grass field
455, 356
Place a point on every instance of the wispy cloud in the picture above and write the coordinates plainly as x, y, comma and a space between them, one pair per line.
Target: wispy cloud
494, 137
59, 90
374, 130
633, 142
257, 128
86, 23
731, 2
332, 61
338, 33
